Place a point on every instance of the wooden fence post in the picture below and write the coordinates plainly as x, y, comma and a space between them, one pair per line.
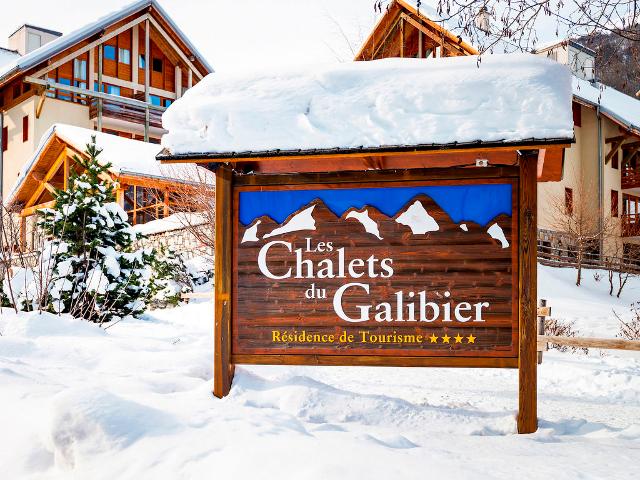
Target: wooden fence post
527, 255
222, 366
541, 318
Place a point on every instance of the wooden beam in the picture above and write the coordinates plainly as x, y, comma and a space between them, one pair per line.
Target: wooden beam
614, 150
135, 53
385, 38
25, 212
90, 46
91, 93
175, 47
616, 139
147, 62
50, 173
589, 342
527, 278
66, 172
222, 366
439, 39
43, 97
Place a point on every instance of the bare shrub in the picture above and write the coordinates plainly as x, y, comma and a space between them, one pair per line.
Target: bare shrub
555, 327
629, 329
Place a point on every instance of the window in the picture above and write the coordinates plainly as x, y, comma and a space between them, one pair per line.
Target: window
109, 52
167, 102
614, 161
155, 100
568, 201
124, 56
33, 41
25, 128
5, 139
62, 94
614, 203
80, 69
16, 90
141, 62
156, 65
577, 114
113, 90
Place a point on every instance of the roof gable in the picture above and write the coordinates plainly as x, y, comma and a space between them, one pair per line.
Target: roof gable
130, 158
397, 34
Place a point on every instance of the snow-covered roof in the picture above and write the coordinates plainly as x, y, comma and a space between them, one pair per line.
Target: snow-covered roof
619, 106
7, 56
126, 156
373, 105
60, 44
175, 221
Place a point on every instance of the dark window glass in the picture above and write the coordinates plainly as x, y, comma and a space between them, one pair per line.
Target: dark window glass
25, 128
5, 138
141, 61
109, 52
614, 203
16, 91
577, 114
157, 65
568, 200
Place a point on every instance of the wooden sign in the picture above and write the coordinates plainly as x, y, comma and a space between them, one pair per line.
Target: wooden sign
395, 273
422, 267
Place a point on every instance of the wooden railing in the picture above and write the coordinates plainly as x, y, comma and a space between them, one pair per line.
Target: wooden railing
630, 224
128, 113
558, 257
630, 177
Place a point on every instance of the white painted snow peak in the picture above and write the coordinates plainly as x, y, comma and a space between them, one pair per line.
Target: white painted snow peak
300, 221
382, 103
497, 233
251, 233
370, 225
418, 219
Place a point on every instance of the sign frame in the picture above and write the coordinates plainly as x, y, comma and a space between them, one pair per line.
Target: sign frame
524, 177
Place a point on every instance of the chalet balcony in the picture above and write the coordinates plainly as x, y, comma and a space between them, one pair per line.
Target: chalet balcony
631, 225
630, 177
128, 113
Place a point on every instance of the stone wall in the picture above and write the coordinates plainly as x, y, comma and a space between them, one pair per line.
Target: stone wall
181, 241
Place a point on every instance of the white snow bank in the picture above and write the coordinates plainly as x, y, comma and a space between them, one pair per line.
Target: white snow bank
32, 325
391, 102
175, 221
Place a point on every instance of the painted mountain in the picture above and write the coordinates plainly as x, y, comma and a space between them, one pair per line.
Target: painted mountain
452, 261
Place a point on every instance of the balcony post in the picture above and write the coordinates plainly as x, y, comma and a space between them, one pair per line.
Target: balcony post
147, 61
99, 117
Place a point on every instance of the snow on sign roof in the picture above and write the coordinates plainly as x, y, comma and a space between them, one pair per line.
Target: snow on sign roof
60, 44
126, 156
373, 105
620, 107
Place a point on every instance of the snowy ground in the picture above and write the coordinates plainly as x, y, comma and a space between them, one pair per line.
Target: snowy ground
135, 402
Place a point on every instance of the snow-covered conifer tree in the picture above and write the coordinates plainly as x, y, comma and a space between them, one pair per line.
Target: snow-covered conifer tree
93, 274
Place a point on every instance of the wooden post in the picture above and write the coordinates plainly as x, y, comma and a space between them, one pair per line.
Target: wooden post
100, 49
135, 60
147, 61
401, 38
222, 366
420, 42
527, 366
543, 303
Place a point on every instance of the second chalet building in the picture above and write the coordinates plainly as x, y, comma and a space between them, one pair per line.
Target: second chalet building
600, 172
115, 75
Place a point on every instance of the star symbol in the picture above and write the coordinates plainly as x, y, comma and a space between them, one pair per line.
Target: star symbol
433, 338
471, 339
458, 338
446, 338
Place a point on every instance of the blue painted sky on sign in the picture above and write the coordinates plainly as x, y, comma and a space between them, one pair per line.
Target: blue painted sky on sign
474, 203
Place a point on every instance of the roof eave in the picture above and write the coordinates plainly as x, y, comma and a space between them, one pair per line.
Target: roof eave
166, 156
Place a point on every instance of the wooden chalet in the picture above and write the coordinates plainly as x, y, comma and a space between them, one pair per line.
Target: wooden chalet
408, 31
145, 190
115, 75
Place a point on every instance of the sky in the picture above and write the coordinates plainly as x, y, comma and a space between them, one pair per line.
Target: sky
232, 35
